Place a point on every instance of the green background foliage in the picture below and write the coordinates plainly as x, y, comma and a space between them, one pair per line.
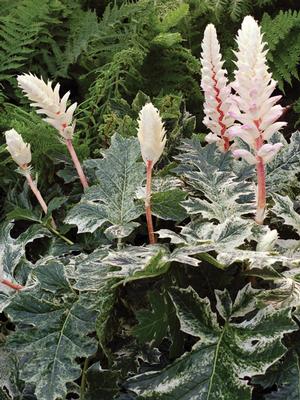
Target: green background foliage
212, 310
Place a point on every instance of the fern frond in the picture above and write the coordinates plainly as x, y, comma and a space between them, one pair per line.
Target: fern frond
19, 32
83, 27
282, 33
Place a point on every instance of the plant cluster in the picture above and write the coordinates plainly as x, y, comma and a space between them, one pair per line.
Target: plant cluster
137, 261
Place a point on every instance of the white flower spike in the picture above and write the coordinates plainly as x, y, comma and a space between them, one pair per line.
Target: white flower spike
253, 107
217, 92
151, 133
19, 150
47, 101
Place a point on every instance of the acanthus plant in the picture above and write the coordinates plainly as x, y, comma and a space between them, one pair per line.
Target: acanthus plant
47, 101
249, 113
254, 107
216, 90
151, 135
109, 310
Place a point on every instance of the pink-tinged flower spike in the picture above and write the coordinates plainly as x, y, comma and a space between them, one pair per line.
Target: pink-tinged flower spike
151, 135
254, 107
216, 90
47, 101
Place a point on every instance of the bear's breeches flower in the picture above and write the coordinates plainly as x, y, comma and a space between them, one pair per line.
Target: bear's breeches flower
151, 134
18, 149
47, 101
217, 92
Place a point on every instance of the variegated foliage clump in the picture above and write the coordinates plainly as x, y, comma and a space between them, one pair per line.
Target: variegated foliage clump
211, 311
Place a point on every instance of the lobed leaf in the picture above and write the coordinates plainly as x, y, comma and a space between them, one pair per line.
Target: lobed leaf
220, 361
111, 202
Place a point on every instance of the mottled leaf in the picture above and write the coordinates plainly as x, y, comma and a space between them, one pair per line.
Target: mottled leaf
282, 170
283, 208
52, 332
217, 193
224, 356
112, 202
153, 325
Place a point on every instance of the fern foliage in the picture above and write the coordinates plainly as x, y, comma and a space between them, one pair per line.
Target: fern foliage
284, 59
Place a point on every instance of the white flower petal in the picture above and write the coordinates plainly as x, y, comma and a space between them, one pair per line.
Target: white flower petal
151, 133
19, 150
245, 154
47, 101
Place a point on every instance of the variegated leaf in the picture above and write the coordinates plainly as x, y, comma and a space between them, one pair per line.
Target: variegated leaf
282, 170
220, 362
283, 208
53, 324
111, 203
216, 192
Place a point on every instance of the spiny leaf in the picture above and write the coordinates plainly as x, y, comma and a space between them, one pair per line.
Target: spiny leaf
51, 333
120, 174
284, 209
282, 170
220, 194
197, 238
218, 363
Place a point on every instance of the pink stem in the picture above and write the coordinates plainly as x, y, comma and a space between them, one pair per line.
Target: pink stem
77, 164
12, 285
261, 180
37, 193
148, 203
261, 191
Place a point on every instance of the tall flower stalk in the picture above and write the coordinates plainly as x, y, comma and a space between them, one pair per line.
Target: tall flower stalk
48, 102
253, 107
151, 135
216, 90
21, 154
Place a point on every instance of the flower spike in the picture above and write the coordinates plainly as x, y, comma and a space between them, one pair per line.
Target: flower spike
216, 90
151, 135
47, 101
253, 107
21, 154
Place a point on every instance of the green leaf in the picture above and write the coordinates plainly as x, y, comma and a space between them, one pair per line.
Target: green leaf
224, 356
284, 209
218, 194
8, 373
55, 203
12, 250
167, 205
197, 238
52, 332
154, 324
173, 17
23, 214
168, 39
282, 170
51, 275
102, 383
288, 382
111, 202
137, 262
